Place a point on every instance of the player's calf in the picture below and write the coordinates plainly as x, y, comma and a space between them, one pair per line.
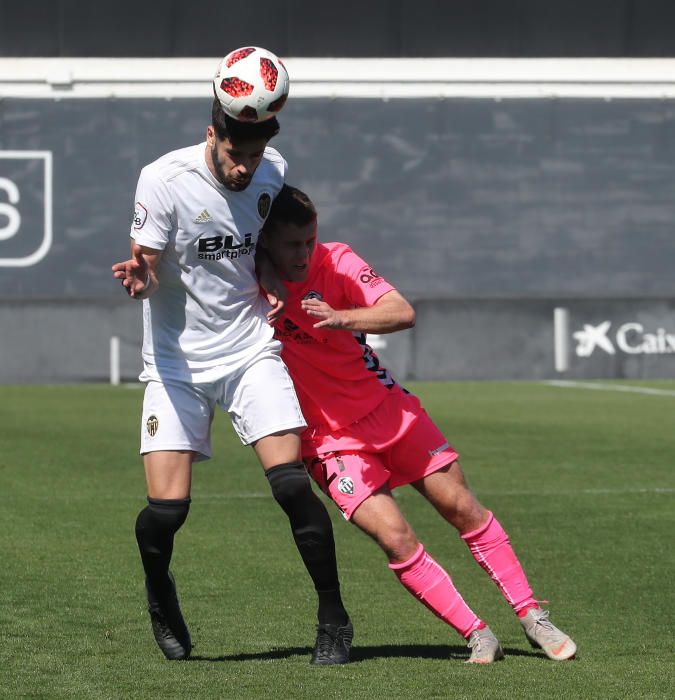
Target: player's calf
156, 526
313, 534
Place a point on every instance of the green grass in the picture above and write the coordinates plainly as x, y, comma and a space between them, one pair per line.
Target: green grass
582, 481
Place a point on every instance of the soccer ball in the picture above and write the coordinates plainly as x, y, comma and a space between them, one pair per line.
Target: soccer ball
251, 84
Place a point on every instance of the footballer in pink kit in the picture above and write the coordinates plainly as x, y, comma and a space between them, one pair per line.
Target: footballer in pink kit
351, 403
367, 435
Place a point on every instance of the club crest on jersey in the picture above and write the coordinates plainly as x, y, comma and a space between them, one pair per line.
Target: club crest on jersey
346, 485
152, 425
264, 204
140, 216
313, 295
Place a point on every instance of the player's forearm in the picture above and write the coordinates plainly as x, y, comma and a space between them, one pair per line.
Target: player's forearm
367, 323
387, 317
149, 259
266, 272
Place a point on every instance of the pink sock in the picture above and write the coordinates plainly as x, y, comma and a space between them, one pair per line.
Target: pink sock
491, 548
431, 584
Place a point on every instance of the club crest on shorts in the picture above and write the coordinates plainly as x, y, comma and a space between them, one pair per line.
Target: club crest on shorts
152, 425
346, 485
264, 203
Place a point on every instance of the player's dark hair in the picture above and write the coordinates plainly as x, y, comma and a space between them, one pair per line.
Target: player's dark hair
238, 132
291, 206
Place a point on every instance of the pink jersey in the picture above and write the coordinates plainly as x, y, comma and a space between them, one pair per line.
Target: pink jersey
337, 377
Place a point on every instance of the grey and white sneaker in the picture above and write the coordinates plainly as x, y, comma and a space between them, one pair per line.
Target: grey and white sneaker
544, 635
485, 647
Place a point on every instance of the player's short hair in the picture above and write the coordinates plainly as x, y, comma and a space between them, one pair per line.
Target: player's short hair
236, 131
291, 206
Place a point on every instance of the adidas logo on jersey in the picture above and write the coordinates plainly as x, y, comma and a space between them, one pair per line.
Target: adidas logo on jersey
204, 217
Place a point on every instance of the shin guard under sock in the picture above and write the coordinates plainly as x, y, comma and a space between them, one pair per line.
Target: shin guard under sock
156, 526
313, 534
432, 585
490, 547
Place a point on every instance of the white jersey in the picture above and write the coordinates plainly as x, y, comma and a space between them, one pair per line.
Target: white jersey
207, 318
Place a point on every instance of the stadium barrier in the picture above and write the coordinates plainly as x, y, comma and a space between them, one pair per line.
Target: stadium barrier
489, 191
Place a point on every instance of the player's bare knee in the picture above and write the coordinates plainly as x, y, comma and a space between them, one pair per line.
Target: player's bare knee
399, 544
466, 513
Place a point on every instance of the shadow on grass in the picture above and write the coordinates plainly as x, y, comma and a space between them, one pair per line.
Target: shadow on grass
365, 653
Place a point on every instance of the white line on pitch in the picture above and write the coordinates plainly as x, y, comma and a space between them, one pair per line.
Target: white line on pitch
584, 492
563, 384
609, 492
232, 496
652, 490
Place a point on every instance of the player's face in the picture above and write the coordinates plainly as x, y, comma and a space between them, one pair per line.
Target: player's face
290, 248
233, 164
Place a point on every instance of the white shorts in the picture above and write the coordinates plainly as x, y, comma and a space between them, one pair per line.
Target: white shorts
260, 399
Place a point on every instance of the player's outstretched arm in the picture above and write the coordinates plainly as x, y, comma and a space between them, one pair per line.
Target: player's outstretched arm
390, 313
139, 274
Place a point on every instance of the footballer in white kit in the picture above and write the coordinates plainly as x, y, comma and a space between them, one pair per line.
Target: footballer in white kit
208, 342
207, 322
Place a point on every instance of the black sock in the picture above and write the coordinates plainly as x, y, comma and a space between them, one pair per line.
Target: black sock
156, 526
313, 534
331, 609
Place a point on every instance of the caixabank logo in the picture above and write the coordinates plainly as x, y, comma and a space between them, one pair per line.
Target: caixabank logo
25, 207
632, 338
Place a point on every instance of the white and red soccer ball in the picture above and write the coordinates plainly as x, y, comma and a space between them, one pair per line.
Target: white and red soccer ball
251, 84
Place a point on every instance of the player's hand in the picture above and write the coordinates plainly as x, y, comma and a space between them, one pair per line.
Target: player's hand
134, 273
329, 317
278, 302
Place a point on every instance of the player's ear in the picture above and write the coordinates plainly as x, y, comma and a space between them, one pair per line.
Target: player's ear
210, 135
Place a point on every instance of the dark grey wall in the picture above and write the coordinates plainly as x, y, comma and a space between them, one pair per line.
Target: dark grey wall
448, 198
487, 214
377, 28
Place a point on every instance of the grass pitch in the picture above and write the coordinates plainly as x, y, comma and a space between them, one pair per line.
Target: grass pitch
582, 481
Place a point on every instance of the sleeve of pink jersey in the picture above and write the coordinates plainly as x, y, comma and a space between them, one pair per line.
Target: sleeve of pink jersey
362, 285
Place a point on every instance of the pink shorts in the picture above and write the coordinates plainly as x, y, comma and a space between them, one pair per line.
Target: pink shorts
395, 445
